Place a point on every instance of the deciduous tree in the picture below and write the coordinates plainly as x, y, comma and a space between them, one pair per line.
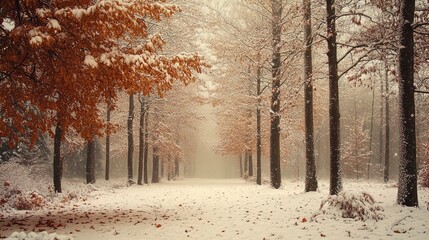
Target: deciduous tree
62, 59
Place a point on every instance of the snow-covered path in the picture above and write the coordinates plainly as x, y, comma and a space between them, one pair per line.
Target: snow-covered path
218, 209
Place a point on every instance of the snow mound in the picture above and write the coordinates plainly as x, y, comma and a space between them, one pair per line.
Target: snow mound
356, 205
38, 236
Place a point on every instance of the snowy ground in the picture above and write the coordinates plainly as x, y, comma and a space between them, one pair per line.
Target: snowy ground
217, 209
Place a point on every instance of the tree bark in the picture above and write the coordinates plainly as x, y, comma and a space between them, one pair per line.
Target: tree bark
162, 161
386, 172
241, 166
90, 162
407, 189
258, 128
176, 167
146, 149
310, 170
155, 166
169, 173
371, 129
382, 100
275, 97
58, 161
130, 139
334, 108
246, 161
141, 141
250, 163
107, 173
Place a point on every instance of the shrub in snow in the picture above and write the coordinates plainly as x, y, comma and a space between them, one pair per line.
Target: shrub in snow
15, 198
26, 178
359, 206
38, 236
19, 185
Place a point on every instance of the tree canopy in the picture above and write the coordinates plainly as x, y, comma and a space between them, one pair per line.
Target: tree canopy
61, 59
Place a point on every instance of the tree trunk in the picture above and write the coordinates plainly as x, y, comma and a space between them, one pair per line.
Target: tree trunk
258, 128
58, 161
250, 164
90, 162
275, 97
130, 139
356, 137
107, 174
141, 141
146, 149
169, 173
162, 168
387, 126
155, 166
176, 167
407, 188
246, 161
241, 166
382, 100
371, 129
310, 164
334, 107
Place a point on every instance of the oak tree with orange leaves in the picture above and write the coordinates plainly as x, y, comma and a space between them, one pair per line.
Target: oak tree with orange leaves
61, 59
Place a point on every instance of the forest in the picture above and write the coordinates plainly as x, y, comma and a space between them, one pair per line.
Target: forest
177, 111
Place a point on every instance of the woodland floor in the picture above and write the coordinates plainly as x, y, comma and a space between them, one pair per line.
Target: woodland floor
217, 209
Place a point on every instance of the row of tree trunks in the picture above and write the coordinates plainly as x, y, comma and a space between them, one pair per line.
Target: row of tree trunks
248, 163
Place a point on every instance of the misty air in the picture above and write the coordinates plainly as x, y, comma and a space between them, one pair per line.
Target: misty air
214, 119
